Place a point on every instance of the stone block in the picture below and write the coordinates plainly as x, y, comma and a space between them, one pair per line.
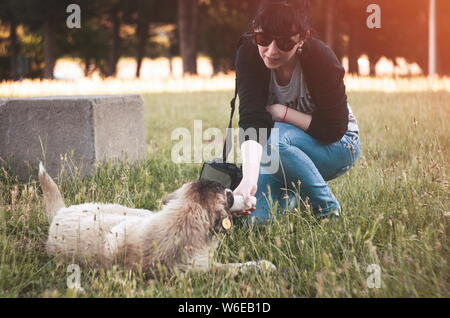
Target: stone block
85, 129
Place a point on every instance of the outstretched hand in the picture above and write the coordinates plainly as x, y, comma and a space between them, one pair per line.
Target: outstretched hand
246, 188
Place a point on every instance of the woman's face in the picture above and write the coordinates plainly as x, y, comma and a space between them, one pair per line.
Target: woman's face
273, 57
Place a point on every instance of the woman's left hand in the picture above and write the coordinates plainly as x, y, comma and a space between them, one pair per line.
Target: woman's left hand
277, 111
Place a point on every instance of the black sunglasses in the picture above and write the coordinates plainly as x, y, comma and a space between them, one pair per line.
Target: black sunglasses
284, 43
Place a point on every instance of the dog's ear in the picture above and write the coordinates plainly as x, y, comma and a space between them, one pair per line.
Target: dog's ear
171, 196
230, 198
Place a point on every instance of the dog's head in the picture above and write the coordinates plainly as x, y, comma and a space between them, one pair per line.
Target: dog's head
206, 197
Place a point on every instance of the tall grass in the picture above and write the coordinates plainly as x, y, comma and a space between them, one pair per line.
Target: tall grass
394, 198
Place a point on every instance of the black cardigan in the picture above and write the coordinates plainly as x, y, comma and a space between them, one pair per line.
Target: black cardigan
324, 77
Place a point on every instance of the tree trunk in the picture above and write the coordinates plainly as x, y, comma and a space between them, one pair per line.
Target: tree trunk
142, 34
114, 43
172, 51
87, 66
13, 51
49, 48
353, 67
432, 39
187, 26
170, 57
329, 29
394, 62
215, 65
353, 50
373, 59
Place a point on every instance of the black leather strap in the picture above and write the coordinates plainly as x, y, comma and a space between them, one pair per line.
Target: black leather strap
228, 140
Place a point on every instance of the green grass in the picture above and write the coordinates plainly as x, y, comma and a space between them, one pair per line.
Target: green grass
395, 199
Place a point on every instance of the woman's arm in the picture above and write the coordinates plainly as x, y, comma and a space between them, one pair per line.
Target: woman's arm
252, 84
251, 159
251, 150
291, 116
325, 78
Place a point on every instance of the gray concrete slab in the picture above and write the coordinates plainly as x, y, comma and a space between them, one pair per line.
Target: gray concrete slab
75, 131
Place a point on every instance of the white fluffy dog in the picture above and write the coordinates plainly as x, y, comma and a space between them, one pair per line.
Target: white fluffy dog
181, 237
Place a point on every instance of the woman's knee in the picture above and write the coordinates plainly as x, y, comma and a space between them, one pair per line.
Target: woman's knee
289, 135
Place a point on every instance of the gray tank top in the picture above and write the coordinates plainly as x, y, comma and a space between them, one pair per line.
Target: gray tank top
295, 95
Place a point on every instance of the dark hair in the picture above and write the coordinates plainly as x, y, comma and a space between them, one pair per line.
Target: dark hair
283, 17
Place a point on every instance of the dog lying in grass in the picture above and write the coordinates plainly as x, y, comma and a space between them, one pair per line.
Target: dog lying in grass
181, 237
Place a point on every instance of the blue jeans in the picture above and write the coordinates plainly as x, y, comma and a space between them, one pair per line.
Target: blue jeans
304, 161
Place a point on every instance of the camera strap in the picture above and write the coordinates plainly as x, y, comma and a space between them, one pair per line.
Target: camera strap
229, 138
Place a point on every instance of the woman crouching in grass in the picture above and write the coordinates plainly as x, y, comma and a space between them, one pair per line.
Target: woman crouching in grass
292, 82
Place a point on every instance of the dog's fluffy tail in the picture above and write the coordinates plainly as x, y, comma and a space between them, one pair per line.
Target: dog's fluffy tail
53, 199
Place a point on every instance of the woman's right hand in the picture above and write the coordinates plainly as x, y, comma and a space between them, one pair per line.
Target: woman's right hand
246, 188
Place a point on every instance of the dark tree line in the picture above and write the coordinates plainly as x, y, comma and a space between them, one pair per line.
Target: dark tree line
36, 34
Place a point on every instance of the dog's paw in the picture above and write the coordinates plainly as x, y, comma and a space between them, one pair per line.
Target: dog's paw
262, 266
266, 266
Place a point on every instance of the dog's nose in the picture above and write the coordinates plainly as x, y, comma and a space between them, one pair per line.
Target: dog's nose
230, 198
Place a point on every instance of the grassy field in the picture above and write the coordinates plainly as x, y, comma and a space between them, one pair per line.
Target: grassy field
395, 200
